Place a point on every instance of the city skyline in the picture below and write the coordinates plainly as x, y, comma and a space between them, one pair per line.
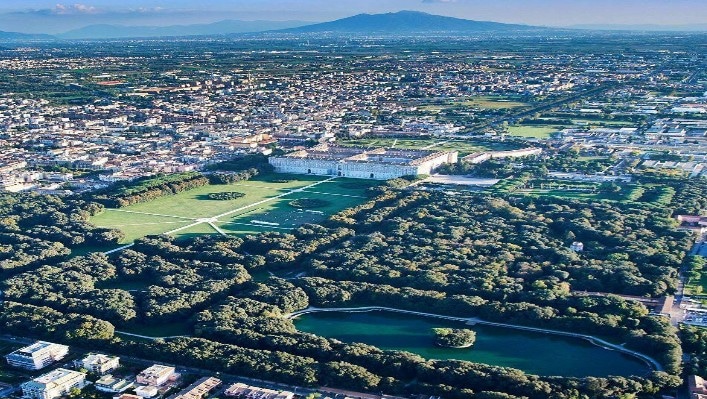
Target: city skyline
42, 16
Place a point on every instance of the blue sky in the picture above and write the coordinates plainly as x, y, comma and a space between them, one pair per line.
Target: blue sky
53, 16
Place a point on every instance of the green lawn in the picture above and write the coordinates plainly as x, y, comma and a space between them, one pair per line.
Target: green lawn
170, 213
279, 215
194, 203
538, 132
697, 287
197, 230
136, 225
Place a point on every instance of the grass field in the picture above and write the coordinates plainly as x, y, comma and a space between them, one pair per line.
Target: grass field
581, 190
266, 200
696, 287
538, 132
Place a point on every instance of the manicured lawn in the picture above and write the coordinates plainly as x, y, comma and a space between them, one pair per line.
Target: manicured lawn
195, 203
697, 287
136, 225
280, 216
169, 213
200, 229
538, 132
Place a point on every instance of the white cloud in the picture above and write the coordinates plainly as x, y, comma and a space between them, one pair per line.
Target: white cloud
76, 8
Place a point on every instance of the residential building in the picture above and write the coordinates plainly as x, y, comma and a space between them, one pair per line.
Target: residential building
147, 391
98, 363
110, 384
198, 389
37, 356
155, 375
245, 391
54, 384
697, 387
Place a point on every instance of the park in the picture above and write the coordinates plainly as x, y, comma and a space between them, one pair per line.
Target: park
265, 206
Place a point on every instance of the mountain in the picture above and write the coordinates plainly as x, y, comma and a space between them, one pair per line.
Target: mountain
407, 22
216, 28
24, 36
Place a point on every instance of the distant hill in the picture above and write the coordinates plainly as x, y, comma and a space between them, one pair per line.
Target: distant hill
23, 36
407, 22
217, 28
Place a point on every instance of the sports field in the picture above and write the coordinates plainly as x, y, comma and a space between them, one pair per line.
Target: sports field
533, 131
264, 207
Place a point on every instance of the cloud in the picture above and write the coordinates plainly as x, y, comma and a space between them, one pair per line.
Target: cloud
76, 8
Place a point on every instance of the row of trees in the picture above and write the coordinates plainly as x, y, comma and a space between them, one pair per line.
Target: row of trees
232, 177
150, 188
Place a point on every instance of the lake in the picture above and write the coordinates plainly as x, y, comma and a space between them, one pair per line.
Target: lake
532, 352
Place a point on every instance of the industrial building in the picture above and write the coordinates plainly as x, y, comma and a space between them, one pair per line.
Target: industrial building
362, 163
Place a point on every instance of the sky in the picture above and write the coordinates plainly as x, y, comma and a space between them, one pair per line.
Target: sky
56, 16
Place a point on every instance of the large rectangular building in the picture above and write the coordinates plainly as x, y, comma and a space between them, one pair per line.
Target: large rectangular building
362, 163
37, 356
54, 384
98, 363
198, 389
155, 375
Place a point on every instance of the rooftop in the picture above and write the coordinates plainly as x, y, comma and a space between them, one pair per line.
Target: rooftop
389, 156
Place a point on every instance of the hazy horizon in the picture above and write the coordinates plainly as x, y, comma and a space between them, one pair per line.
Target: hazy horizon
43, 16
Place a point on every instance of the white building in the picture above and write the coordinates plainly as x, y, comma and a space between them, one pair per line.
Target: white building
97, 363
240, 390
198, 390
155, 375
110, 384
53, 384
147, 391
361, 163
37, 356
